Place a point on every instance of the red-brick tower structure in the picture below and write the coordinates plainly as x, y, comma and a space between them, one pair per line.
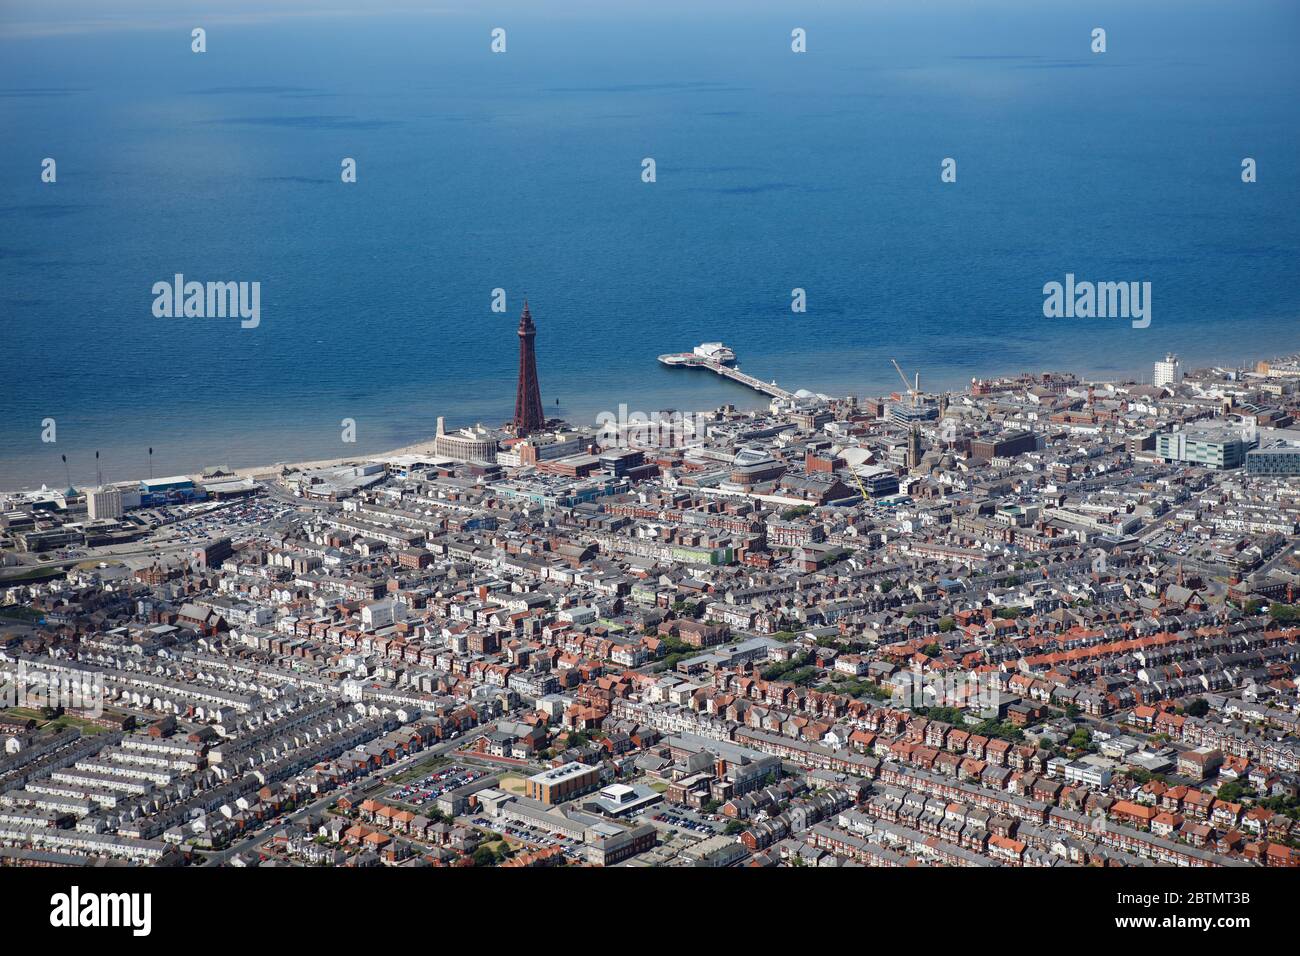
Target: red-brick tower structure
528, 397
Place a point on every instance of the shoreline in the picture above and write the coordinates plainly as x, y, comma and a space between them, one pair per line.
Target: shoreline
272, 470
426, 446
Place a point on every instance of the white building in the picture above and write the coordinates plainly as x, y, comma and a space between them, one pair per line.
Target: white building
468, 444
715, 352
104, 503
382, 613
1168, 372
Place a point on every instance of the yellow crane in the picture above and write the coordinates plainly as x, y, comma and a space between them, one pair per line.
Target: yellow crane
861, 487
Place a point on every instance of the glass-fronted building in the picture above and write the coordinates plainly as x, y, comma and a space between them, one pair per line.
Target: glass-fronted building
1278, 461
1218, 448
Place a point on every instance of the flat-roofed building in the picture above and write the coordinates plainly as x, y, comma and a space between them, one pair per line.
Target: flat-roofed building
1007, 445
621, 800
608, 843
562, 783
1214, 445
1279, 460
213, 553
104, 503
1168, 372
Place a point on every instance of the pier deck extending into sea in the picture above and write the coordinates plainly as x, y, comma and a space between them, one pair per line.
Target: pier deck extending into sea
694, 360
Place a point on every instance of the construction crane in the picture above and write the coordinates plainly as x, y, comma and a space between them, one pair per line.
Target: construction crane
912, 390
861, 487
913, 432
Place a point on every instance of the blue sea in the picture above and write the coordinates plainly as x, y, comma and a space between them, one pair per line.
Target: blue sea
522, 171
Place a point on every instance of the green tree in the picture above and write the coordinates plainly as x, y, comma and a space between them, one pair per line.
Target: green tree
687, 608
1283, 612
782, 669
1233, 791
802, 676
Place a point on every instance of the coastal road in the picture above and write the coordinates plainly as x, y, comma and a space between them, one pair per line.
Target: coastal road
112, 553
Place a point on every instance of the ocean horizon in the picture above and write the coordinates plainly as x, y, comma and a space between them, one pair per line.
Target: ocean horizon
522, 172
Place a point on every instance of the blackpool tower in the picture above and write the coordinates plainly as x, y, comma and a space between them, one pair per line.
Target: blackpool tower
528, 398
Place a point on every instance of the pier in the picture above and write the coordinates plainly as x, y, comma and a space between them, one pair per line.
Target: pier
717, 358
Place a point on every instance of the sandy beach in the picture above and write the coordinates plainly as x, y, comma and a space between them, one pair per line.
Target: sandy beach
275, 469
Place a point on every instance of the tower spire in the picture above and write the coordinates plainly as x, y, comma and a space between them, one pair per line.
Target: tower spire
528, 396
